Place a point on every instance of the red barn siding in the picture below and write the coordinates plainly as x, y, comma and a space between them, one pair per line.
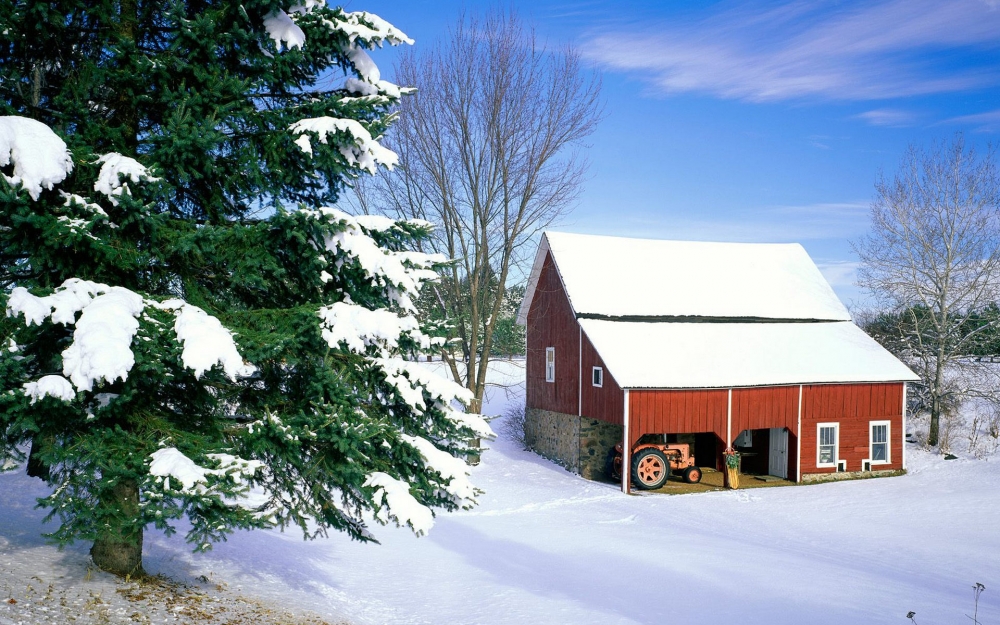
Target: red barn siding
606, 403
551, 323
853, 406
765, 407
677, 412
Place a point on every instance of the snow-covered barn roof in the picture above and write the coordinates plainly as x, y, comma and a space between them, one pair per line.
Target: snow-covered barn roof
613, 277
726, 355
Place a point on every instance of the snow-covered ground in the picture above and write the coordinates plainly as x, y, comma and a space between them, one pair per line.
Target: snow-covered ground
545, 546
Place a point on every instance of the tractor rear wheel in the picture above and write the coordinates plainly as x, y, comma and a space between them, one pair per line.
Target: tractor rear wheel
692, 475
650, 469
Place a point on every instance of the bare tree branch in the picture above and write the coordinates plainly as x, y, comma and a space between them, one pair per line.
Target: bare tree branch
489, 153
933, 258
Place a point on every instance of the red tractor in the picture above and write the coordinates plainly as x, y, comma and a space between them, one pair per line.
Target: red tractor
653, 462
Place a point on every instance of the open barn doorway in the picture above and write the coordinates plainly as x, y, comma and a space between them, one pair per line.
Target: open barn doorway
706, 447
763, 452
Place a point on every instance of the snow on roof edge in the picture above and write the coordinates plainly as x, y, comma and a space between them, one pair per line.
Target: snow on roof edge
607, 366
736, 386
749, 355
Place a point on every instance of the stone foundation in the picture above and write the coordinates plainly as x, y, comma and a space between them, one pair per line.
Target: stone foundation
577, 443
848, 475
553, 435
596, 440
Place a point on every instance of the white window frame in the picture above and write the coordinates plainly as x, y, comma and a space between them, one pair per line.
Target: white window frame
550, 364
888, 441
597, 376
836, 445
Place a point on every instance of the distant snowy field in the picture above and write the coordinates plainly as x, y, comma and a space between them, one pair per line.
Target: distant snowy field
546, 546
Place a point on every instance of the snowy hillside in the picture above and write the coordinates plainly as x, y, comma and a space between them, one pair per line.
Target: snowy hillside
546, 546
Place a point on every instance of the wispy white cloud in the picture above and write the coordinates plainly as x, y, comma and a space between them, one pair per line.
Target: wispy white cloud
839, 273
764, 52
776, 224
888, 117
981, 122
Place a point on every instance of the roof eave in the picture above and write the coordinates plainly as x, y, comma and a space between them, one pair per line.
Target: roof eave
734, 386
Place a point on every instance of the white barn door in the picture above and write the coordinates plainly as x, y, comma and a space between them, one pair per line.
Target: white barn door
778, 455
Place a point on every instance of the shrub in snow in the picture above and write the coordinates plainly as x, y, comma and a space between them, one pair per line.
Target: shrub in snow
512, 424
191, 330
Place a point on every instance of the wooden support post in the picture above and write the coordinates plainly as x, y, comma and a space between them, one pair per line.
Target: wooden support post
729, 420
798, 441
626, 450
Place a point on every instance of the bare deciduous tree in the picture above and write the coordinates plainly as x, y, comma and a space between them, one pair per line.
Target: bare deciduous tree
487, 150
933, 259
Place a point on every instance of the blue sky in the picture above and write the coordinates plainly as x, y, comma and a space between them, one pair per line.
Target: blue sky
757, 121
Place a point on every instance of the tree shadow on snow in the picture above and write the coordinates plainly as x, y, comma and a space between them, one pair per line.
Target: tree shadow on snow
21, 521
261, 555
625, 588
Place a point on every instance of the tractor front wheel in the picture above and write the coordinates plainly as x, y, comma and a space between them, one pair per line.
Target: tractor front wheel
650, 468
692, 475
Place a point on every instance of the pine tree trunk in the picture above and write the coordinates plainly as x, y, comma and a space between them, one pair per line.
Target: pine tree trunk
37, 468
120, 552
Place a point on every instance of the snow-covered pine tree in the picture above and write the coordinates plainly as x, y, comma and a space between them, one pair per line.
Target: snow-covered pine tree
190, 331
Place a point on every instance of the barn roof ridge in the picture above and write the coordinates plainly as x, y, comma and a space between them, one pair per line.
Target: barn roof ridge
618, 277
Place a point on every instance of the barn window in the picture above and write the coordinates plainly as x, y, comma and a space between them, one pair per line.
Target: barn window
879, 441
827, 439
598, 376
550, 364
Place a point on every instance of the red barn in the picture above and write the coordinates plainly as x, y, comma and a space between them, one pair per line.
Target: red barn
713, 344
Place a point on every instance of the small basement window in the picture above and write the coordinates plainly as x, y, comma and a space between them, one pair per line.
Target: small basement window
879, 441
598, 376
550, 364
827, 439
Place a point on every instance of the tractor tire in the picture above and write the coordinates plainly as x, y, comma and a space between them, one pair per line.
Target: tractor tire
650, 468
692, 475
614, 458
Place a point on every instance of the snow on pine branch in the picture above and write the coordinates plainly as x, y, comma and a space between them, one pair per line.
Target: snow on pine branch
40, 158
360, 149
50, 386
168, 462
206, 342
282, 29
101, 347
372, 31
403, 273
358, 327
113, 167
453, 469
369, 28
101, 342
76, 200
108, 322
393, 501
411, 380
